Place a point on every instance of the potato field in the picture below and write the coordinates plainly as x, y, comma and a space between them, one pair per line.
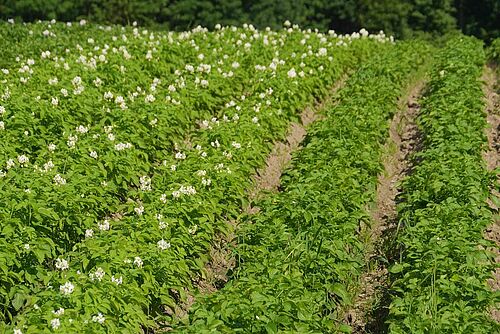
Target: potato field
247, 181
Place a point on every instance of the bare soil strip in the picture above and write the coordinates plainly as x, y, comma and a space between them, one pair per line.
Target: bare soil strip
492, 159
368, 311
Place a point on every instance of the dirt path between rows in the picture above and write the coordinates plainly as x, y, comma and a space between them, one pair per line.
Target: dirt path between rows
492, 159
369, 309
266, 179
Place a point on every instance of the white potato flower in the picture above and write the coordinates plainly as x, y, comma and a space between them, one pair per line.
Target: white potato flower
67, 288
104, 226
62, 264
99, 318
163, 245
23, 160
55, 323
89, 233
116, 280
59, 312
59, 180
138, 262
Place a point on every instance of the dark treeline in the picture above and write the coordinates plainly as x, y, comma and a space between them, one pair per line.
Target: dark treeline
404, 18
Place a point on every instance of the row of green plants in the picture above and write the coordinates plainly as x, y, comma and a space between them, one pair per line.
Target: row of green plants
440, 280
74, 134
300, 257
115, 229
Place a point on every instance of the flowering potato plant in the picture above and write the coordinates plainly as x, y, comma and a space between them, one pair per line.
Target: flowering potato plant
124, 151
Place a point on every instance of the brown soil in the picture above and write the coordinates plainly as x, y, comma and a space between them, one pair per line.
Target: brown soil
492, 159
368, 312
215, 273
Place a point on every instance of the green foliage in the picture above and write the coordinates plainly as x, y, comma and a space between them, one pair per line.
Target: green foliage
125, 151
432, 15
494, 51
440, 284
388, 15
299, 258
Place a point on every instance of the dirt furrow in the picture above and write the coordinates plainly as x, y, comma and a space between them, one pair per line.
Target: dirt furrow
369, 308
492, 159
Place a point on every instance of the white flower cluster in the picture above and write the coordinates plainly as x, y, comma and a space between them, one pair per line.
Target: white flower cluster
59, 312
184, 190
163, 245
67, 288
23, 160
104, 226
180, 156
82, 129
55, 323
77, 85
59, 180
99, 318
138, 262
62, 264
139, 210
98, 274
145, 183
122, 146
48, 166
89, 233
117, 280
161, 224
72, 141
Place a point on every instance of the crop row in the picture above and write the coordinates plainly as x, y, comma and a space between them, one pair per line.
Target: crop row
115, 222
300, 256
441, 279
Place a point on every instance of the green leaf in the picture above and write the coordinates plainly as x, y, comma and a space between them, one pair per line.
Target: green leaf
345, 328
397, 268
340, 290
18, 301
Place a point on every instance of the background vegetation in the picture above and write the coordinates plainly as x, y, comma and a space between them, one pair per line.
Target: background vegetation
403, 18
